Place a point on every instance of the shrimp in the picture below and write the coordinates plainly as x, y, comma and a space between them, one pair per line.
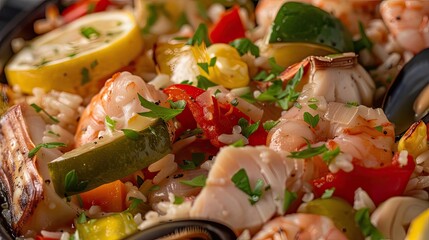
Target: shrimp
229, 204
362, 132
300, 226
408, 21
118, 99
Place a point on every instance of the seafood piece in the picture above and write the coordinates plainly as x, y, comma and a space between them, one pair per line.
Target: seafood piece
407, 20
32, 200
339, 78
300, 226
410, 82
186, 229
362, 132
118, 99
231, 205
394, 216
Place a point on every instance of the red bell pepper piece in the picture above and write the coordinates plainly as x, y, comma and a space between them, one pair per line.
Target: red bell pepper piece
228, 28
222, 116
84, 7
380, 183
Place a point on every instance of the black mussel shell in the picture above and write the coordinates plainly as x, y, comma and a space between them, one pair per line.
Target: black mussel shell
399, 99
186, 229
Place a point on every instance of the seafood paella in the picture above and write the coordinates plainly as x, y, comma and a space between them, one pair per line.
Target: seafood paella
222, 119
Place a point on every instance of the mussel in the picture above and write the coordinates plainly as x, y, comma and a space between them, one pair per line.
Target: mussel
405, 89
186, 229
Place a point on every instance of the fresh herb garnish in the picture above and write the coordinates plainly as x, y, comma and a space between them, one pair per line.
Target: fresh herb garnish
329, 155
183, 20
178, 200
238, 143
157, 111
248, 97
310, 119
313, 100
352, 104
268, 125
72, 183
379, 128
82, 218
204, 83
275, 68
186, 82
49, 145
234, 102
313, 106
110, 123
200, 36
364, 222
309, 152
131, 134
364, 41
152, 17
85, 76
212, 61
40, 109
54, 133
191, 132
94, 64
198, 181
328, 193
244, 45
288, 199
217, 92
241, 181
196, 159
180, 104
275, 92
204, 66
246, 128
262, 75
135, 202
89, 32
154, 188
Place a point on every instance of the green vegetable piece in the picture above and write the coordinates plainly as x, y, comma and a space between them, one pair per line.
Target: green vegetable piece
300, 22
115, 226
111, 158
198, 181
339, 211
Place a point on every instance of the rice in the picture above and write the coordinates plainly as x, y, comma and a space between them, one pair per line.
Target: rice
342, 162
170, 211
166, 166
233, 137
133, 192
362, 200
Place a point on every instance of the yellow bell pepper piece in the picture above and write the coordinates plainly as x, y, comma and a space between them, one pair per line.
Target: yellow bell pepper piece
112, 227
415, 139
230, 71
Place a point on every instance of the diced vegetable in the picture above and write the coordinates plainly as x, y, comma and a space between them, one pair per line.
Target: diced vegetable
228, 28
110, 197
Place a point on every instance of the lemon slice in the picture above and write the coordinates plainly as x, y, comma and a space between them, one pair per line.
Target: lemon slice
77, 57
419, 228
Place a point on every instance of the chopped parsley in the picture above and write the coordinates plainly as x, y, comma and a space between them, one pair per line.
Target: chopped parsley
204, 83
379, 128
352, 104
85, 76
288, 199
152, 17
234, 102
49, 145
244, 45
200, 36
154, 188
246, 128
183, 20
89, 32
72, 183
110, 123
196, 159
328, 193
82, 218
38, 109
364, 222
310, 119
131, 134
180, 104
186, 82
204, 66
94, 64
241, 181
198, 181
212, 61
364, 41
178, 200
135, 202
313, 100
268, 125
157, 111
248, 97
275, 92
54, 133
238, 143
313, 106
275, 68
309, 152
329, 155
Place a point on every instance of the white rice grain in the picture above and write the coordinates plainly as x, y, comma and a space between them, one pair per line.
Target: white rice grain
362, 200
166, 166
